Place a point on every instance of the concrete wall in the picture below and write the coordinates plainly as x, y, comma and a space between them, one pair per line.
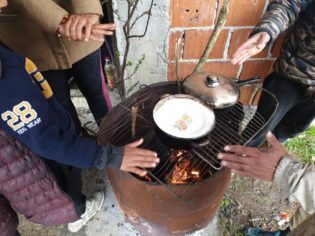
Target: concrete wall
154, 45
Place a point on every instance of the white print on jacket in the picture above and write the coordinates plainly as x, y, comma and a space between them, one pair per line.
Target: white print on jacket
22, 117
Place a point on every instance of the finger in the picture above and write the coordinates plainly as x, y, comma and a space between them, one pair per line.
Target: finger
135, 143
245, 46
239, 60
79, 29
234, 166
145, 158
243, 60
144, 153
144, 164
137, 171
240, 173
72, 28
66, 27
234, 158
239, 57
104, 26
98, 38
102, 32
273, 141
248, 151
88, 29
249, 45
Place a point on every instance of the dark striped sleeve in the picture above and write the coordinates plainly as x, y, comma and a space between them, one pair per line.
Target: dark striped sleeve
279, 16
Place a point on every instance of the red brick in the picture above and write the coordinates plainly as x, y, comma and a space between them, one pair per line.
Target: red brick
196, 40
172, 42
192, 13
244, 12
275, 51
246, 95
260, 68
238, 38
186, 68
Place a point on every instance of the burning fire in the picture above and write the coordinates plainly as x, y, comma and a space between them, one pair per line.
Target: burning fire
183, 171
147, 178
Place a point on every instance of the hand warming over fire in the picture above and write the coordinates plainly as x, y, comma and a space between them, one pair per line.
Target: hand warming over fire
251, 47
136, 158
254, 162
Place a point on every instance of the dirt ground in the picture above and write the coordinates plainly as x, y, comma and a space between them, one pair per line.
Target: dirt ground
247, 202
252, 203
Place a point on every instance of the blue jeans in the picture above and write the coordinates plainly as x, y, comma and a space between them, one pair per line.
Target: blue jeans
88, 75
295, 112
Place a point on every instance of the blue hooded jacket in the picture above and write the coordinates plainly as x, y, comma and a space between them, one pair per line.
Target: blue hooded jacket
30, 113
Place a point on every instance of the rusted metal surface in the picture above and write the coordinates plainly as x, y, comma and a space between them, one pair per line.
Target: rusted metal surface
160, 208
155, 211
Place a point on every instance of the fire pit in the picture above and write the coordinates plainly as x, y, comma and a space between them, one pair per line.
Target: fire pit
182, 194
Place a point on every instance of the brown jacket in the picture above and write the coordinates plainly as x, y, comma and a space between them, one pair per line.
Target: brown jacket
33, 32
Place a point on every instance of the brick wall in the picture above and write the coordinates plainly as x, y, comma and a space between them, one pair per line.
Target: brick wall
196, 18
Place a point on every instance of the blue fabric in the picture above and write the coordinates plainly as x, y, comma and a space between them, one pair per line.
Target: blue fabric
37, 119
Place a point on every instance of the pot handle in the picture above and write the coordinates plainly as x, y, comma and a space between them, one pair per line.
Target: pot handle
254, 80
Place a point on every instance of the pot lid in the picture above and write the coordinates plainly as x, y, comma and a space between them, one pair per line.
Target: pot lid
217, 91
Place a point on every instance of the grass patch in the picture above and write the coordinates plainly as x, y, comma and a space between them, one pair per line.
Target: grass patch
303, 146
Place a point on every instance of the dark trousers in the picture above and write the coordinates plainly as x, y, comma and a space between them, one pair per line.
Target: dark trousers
295, 112
89, 77
69, 180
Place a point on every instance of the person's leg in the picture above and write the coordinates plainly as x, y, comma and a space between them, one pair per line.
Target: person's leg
8, 218
288, 94
69, 180
297, 120
88, 74
58, 81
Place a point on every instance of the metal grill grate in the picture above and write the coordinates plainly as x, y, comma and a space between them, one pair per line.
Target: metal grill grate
133, 119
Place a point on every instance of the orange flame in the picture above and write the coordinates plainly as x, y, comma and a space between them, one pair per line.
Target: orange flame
183, 172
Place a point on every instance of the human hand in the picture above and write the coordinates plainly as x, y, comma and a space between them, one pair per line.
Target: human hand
100, 30
254, 162
136, 158
79, 27
251, 47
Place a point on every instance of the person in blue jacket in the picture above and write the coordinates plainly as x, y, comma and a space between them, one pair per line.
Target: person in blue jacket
30, 113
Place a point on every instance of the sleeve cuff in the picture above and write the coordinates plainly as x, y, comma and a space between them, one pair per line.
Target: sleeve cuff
280, 177
87, 7
109, 156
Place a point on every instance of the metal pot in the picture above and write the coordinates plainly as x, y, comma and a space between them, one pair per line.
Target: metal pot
217, 91
185, 117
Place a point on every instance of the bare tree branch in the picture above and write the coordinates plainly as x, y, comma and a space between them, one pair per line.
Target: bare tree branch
215, 34
128, 25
